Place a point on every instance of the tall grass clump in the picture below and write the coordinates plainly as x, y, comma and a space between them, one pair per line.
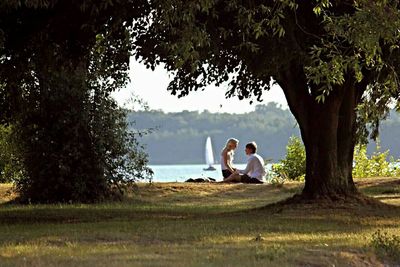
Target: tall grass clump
386, 246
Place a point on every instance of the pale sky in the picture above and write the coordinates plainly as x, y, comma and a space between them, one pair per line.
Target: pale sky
151, 87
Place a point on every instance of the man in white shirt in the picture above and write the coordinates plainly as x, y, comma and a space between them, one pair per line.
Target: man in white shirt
254, 172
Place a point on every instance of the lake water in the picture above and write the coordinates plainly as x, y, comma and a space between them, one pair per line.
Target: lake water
180, 173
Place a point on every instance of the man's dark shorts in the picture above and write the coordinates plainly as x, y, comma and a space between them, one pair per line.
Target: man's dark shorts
249, 180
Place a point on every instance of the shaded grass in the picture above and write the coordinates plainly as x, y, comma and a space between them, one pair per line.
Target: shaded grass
197, 225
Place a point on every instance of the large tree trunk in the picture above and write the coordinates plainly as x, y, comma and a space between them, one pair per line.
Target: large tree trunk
329, 141
328, 131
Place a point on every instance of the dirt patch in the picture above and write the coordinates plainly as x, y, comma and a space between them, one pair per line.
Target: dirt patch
367, 182
7, 193
319, 257
362, 210
358, 259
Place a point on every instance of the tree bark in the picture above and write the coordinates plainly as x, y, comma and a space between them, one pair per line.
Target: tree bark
328, 131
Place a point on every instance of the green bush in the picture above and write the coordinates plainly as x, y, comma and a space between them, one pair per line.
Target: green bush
3, 153
293, 166
10, 164
377, 165
71, 137
386, 246
80, 166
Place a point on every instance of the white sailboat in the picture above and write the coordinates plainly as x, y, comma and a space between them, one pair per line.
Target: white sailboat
209, 155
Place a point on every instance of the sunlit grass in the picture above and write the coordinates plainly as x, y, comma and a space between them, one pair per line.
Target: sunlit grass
197, 225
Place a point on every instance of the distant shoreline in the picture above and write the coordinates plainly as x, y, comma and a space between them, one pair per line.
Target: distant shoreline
199, 164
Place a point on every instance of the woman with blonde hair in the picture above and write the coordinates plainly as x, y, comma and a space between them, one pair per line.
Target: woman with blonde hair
227, 157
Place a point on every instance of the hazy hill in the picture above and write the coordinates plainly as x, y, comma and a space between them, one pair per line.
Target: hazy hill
180, 137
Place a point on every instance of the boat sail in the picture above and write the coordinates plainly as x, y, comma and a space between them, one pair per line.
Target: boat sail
209, 155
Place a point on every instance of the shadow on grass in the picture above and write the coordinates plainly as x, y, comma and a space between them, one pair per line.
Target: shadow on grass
166, 223
152, 201
372, 186
168, 209
71, 214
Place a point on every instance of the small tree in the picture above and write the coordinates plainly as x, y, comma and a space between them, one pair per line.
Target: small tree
377, 165
293, 166
60, 60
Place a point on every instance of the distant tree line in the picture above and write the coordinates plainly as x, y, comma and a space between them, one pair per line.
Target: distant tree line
179, 138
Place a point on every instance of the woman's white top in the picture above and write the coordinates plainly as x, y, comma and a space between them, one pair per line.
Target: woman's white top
229, 159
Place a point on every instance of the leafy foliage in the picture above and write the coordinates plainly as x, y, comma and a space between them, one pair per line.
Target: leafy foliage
377, 165
198, 41
57, 74
366, 44
293, 166
117, 145
10, 164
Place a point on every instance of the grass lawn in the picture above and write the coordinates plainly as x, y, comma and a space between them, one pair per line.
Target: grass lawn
199, 225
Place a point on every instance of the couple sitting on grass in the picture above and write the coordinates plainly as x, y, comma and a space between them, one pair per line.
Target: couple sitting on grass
254, 172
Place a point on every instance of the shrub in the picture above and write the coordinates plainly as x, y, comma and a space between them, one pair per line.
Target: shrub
10, 165
377, 165
386, 246
4, 159
80, 164
69, 133
293, 166
56, 90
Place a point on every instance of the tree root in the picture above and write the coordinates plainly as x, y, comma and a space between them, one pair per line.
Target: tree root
330, 201
333, 198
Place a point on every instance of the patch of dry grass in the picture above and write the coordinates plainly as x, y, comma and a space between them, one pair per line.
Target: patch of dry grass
6, 193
